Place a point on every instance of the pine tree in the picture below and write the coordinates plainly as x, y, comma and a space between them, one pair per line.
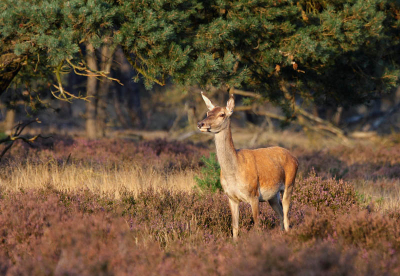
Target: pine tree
329, 51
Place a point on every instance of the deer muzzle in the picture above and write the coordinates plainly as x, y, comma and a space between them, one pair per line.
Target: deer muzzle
203, 127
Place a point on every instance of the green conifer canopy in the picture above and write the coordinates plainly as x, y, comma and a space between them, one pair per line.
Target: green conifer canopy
335, 51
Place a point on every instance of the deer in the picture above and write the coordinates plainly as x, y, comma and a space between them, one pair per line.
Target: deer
250, 175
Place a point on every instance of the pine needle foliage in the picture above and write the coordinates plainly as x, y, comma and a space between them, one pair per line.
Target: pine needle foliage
209, 179
339, 51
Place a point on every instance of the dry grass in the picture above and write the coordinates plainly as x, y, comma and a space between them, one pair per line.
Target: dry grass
110, 181
383, 194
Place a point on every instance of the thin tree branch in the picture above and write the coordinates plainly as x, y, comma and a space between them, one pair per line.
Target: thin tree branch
16, 136
321, 124
245, 93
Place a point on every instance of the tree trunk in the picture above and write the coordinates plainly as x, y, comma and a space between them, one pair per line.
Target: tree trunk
10, 64
191, 113
337, 116
91, 90
104, 87
9, 121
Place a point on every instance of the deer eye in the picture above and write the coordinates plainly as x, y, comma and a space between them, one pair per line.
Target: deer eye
222, 115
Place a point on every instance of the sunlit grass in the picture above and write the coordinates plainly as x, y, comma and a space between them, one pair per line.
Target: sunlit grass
382, 194
110, 181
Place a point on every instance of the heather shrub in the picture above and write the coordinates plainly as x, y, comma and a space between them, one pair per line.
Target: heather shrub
54, 231
313, 191
325, 258
167, 212
48, 232
160, 153
316, 225
360, 228
369, 230
360, 161
263, 255
84, 200
209, 179
322, 163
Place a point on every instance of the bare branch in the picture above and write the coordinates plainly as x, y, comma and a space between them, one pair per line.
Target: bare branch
5, 150
244, 108
16, 136
21, 125
271, 115
323, 125
83, 70
246, 93
256, 110
304, 120
64, 95
91, 73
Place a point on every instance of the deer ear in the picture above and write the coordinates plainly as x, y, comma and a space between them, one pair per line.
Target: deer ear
209, 104
230, 105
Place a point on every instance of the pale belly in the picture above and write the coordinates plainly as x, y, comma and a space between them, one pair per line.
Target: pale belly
239, 191
267, 194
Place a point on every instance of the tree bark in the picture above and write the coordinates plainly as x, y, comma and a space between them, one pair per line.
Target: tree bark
9, 121
91, 90
10, 65
104, 87
337, 116
191, 113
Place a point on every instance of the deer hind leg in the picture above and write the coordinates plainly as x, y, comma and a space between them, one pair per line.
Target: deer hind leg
275, 203
234, 205
255, 210
286, 198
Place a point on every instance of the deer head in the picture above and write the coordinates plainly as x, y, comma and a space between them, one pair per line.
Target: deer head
217, 117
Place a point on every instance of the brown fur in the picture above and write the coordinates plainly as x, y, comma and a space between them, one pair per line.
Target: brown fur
250, 175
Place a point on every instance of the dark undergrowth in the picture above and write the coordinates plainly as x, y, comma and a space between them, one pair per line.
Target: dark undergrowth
49, 232
159, 154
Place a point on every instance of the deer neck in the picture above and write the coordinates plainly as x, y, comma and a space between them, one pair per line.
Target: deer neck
226, 153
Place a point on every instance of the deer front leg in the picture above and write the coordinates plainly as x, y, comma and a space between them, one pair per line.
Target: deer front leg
234, 205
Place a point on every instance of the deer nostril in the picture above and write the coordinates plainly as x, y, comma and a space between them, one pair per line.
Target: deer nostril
200, 124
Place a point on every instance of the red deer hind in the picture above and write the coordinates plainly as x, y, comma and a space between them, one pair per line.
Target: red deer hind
252, 176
